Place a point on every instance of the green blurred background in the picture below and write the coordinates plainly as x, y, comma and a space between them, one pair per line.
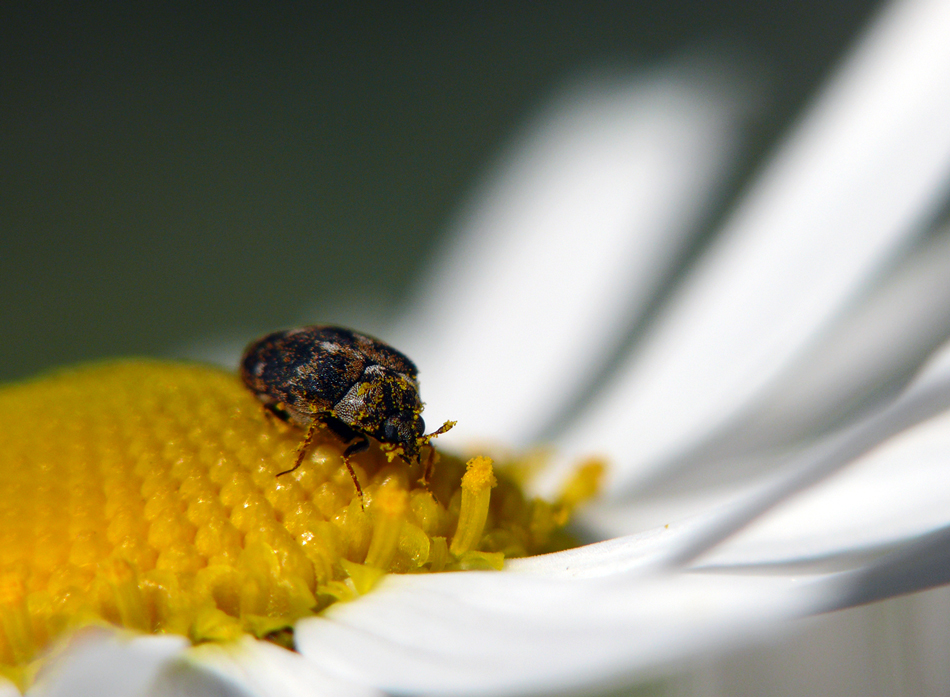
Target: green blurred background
173, 172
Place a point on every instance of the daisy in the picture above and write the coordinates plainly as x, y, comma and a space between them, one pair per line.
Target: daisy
772, 402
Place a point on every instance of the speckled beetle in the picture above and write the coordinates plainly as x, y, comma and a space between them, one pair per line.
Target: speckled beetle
355, 385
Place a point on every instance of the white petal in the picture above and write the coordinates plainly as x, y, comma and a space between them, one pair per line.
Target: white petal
919, 566
184, 679
876, 346
866, 168
897, 492
720, 512
641, 553
898, 647
264, 670
498, 633
865, 356
859, 357
104, 663
557, 254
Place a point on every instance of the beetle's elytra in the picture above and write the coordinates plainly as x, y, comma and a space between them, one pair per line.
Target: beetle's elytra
355, 385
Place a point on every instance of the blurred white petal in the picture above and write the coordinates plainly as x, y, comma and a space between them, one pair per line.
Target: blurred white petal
918, 566
266, 670
868, 354
719, 511
102, 663
862, 173
181, 678
897, 492
841, 373
898, 647
577, 230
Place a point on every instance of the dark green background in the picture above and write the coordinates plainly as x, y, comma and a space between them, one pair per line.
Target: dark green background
173, 172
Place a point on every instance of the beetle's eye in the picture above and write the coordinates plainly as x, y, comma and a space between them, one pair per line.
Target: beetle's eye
420, 426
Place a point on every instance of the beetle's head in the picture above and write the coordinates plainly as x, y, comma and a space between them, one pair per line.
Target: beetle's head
404, 428
391, 410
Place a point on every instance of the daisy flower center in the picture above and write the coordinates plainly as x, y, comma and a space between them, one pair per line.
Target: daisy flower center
144, 495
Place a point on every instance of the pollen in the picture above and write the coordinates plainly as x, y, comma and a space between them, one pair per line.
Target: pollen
144, 495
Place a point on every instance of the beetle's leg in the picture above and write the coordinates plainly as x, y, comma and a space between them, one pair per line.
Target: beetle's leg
429, 466
302, 449
360, 445
346, 434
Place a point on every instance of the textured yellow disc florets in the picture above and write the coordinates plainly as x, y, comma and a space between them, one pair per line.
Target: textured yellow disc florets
144, 494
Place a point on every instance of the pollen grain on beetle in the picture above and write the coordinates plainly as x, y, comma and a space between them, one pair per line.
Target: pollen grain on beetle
143, 494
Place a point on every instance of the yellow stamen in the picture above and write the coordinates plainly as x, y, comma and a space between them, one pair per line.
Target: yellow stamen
583, 485
389, 509
477, 484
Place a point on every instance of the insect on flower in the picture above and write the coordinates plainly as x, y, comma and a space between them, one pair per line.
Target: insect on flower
354, 385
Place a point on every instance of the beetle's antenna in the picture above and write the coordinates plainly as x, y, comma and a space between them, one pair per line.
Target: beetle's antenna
447, 426
433, 455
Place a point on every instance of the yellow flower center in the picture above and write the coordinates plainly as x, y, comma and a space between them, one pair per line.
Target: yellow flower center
144, 494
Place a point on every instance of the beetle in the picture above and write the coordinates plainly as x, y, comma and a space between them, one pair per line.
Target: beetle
356, 386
